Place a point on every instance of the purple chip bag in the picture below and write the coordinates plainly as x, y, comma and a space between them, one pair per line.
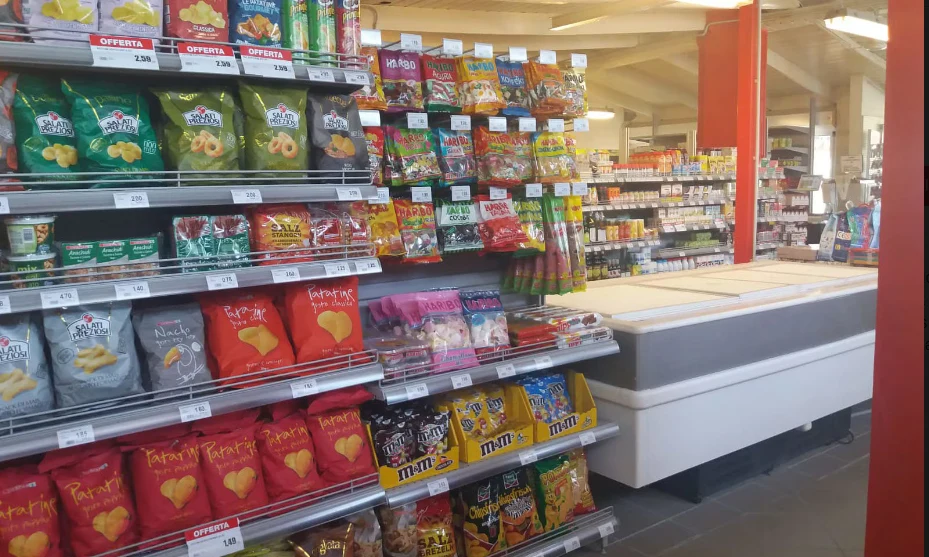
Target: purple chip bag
401, 78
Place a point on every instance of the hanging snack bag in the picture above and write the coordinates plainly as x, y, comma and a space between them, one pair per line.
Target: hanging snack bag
553, 491
174, 345
275, 124
513, 87
25, 381
480, 510
371, 96
393, 169
402, 80
232, 471
456, 157
197, 20
8, 162
518, 513
558, 277
444, 329
348, 26
343, 452
546, 85
550, 158
417, 231
575, 92
521, 153
296, 28
499, 224
440, 75
93, 353
131, 18
245, 334
480, 88
322, 30
434, 527
374, 141
256, 23
574, 228
529, 212
326, 227
496, 162
483, 310
198, 129
583, 498
333, 540
385, 233
287, 457
400, 532
457, 227
29, 525
278, 229
368, 542
324, 319
62, 22
336, 135
415, 151
45, 141
353, 216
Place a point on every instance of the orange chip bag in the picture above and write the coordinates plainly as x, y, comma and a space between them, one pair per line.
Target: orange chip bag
382, 220
279, 228
324, 319
245, 334
28, 514
287, 457
232, 472
343, 451
168, 484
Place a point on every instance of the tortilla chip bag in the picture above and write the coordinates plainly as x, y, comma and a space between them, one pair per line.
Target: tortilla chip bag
324, 318
287, 457
232, 472
343, 451
29, 524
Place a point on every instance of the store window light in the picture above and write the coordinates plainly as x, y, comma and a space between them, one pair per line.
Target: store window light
857, 23
601, 114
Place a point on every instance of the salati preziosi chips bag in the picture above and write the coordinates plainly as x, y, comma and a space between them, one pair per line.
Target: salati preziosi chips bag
45, 141
232, 471
275, 125
480, 510
25, 380
174, 343
518, 512
287, 457
29, 523
434, 525
336, 135
343, 451
198, 129
324, 319
553, 492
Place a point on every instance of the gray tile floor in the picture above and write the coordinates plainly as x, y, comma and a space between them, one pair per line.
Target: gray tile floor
813, 506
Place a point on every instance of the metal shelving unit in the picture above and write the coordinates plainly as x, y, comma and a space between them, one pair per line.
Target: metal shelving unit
609, 246
585, 530
685, 252
661, 179
650, 205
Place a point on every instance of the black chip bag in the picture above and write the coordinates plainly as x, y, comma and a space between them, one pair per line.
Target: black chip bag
336, 134
480, 511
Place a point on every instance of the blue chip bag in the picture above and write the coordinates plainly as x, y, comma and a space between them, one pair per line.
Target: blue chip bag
513, 87
455, 150
256, 22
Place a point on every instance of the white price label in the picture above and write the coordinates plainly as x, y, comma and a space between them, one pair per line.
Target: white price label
506, 370
497, 193
245, 197
681, 254
680, 228
483, 50
667, 228
461, 193
285, 274
367, 266
581, 125
320, 74
74, 436
130, 200
572, 544
419, 390
587, 438
221, 281
578, 60
527, 124
5, 304
409, 41
196, 411
132, 290
461, 381
461, 123
496, 123
215, 539
304, 387
555, 125
337, 269
371, 37
562, 189
383, 197
579, 188
527, 457
715, 250
60, 298
452, 47
605, 529
438, 487
543, 362
357, 78
348, 194
548, 57
417, 120
207, 58
421, 194
518, 54
123, 52
4, 206
533, 190
370, 118
267, 62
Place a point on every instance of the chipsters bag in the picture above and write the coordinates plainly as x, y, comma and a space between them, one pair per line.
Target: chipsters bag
45, 141
29, 523
25, 381
174, 343
287, 457
518, 513
232, 471
324, 319
343, 451
480, 511
336, 135
275, 125
434, 527
198, 129
553, 492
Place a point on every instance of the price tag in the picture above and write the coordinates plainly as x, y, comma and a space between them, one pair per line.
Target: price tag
337, 269
348, 194
419, 390
74, 436
533, 190
123, 52
527, 457
245, 197
518, 54
497, 193
215, 539
527, 124
130, 200
4, 206
285, 274
715, 250
421, 194
320, 74
383, 197
461, 193
304, 387
581, 125
370, 118
506, 370
357, 78
452, 47
267, 62
207, 58
461, 381
579, 188
59, 298
483, 50
562, 189
605, 529
367, 266
587, 438
571, 544
437, 487
496, 123
680, 228
193, 412
221, 281
409, 41
417, 120
555, 125
5, 304
461, 123
578, 60
543, 362
370, 37
681, 254
667, 228
548, 57
132, 290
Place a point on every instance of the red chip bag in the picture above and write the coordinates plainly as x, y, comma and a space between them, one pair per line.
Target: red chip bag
324, 319
225, 423
245, 334
287, 457
342, 398
96, 499
343, 451
28, 514
168, 485
232, 472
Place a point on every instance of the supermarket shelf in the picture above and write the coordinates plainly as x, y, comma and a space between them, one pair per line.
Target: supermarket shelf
670, 253
767, 245
772, 220
38, 433
583, 531
650, 205
797, 168
800, 150
468, 473
610, 246
424, 385
659, 179
671, 228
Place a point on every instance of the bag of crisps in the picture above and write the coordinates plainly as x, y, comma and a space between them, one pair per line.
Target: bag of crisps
385, 233
29, 524
434, 524
371, 97
287, 457
518, 514
480, 86
198, 129
232, 471
343, 451
245, 334
45, 140
197, 20
168, 484
553, 492
480, 510
275, 125
324, 319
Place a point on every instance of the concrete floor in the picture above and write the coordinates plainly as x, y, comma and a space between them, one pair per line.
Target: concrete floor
813, 506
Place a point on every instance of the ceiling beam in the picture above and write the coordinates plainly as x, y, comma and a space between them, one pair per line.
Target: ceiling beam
532, 43
636, 105
686, 62
646, 52
797, 74
854, 45
643, 86
597, 12
801, 17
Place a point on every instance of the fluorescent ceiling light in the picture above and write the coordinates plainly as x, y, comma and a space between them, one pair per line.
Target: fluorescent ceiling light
717, 4
856, 23
578, 23
603, 114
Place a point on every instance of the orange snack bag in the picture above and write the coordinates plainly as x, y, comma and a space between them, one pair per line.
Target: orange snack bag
28, 514
324, 319
232, 472
343, 451
385, 233
279, 228
287, 457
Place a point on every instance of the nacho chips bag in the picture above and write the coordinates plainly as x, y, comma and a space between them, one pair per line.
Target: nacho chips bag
198, 129
287, 457
232, 471
29, 524
324, 319
343, 451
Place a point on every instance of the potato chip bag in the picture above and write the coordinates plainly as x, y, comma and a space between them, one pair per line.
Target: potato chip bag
29, 523
336, 135
61, 22
371, 96
324, 319
546, 89
583, 498
482, 531
279, 228
256, 23
169, 486
343, 451
434, 525
245, 334
575, 92
232, 471
385, 233
553, 492
550, 159
25, 377
131, 18
275, 125
198, 129
287, 457
45, 141
401, 80
197, 20
518, 514
480, 87
374, 141
440, 75
417, 231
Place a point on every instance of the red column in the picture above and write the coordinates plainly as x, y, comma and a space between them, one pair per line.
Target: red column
895, 489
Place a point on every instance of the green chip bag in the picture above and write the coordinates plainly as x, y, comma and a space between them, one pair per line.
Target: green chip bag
114, 129
199, 130
275, 127
45, 140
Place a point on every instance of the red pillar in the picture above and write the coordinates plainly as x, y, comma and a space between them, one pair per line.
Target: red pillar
896, 484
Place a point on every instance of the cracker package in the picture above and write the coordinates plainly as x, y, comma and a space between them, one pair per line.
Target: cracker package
29, 523
401, 80
93, 353
343, 451
518, 513
45, 141
440, 75
480, 511
434, 525
499, 224
456, 157
575, 92
174, 345
417, 231
197, 20
25, 380
546, 85
400, 532
324, 319
415, 154
368, 542
131, 18
62, 22
513, 87
287, 457
371, 96
232, 471
275, 125
336, 135
385, 233
583, 498
553, 493
480, 87
496, 161
256, 23
550, 158
277, 229
374, 141
457, 227
198, 129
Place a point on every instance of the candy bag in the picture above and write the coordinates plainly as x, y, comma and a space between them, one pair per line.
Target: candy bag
417, 231
441, 79
444, 330
483, 310
374, 141
574, 227
480, 87
513, 87
402, 80
575, 92
415, 151
546, 89
530, 218
498, 223
371, 96
548, 396
457, 227
385, 233
521, 152
456, 157
558, 278
496, 160
550, 159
